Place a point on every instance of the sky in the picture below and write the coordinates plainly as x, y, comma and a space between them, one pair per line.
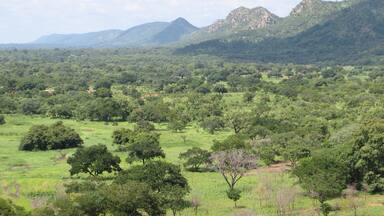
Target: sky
26, 20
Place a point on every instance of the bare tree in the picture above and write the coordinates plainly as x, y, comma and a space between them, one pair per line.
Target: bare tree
233, 165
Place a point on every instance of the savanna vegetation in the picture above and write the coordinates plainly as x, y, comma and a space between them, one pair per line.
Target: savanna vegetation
143, 132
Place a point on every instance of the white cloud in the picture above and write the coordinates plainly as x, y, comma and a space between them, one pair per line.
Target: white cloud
25, 20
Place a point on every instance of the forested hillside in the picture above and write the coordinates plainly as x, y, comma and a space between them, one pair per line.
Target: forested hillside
350, 36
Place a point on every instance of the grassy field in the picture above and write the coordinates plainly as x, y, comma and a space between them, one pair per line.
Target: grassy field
29, 178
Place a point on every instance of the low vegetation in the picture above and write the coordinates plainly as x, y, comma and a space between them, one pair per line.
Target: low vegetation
187, 136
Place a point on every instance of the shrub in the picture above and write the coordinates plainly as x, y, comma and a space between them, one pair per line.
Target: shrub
56, 136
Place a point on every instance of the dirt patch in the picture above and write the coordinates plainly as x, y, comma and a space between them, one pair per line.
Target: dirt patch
20, 166
375, 204
275, 168
88, 130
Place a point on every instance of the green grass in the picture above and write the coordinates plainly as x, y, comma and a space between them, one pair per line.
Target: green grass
39, 174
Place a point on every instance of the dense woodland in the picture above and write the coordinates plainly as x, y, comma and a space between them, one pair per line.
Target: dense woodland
325, 122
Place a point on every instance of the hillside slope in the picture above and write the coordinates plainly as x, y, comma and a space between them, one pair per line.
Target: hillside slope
86, 39
349, 36
149, 34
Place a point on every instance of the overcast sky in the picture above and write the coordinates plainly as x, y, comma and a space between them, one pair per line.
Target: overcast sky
26, 20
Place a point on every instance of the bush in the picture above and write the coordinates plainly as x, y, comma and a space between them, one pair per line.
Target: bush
195, 157
7, 208
213, 124
2, 120
56, 136
93, 160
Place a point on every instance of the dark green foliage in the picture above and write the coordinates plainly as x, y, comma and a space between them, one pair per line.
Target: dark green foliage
368, 155
122, 136
338, 34
61, 111
234, 194
93, 160
103, 93
131, 198
133, 92
144, 126
145, 146
164, 179
175, 199
220, 88
238, 121
128, 78
230, 143
30, 107
195, 157
56, 136
213, 124
295, 153
2, 120
177, 125
323, 176
159, 175
7, 208
105, 109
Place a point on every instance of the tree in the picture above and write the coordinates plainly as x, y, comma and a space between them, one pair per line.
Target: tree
144, 126
61, 111
195, 157
175, 199
131, 198
7, 208
157, 174
264, 149
177, 125
230, 143
368, 155
323, 176
213, 124
295, 153
145, 146
31, 107
238, 121
233, 165
165, 179
56, 136
122, 136
2, 120
93, 160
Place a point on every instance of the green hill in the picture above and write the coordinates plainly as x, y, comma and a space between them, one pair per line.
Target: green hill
349, 36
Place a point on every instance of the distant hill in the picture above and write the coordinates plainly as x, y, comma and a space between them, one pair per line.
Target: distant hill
87, 39
174, 32
138, 35
149, 34
239, 20
353, 33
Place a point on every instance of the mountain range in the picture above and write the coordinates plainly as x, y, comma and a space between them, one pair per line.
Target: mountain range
316, 31
149, 34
